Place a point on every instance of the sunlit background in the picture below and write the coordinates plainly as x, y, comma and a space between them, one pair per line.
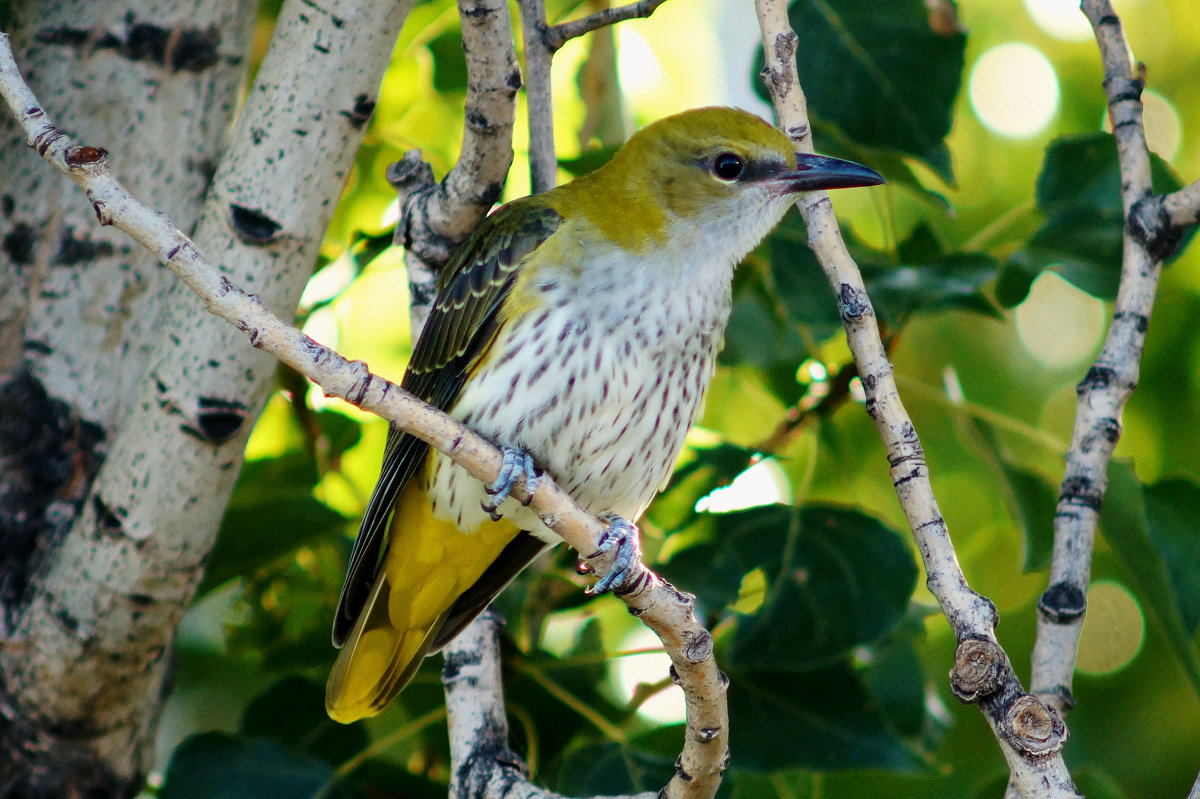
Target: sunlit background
1032, 73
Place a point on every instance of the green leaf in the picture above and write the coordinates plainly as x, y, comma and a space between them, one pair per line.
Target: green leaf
1127, 528
216, 765
292, 712
1079, 191
1081, 244
821, 720
613, 769
588, 160
880, 73
1172, 508
341, 433
798, 281
449, 65
1083, 171
837, 578
271, 514
758, 336
1032, 501
895, 680
951, 282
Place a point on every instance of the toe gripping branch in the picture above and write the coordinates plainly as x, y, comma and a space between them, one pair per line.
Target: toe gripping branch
621, 535
517, 463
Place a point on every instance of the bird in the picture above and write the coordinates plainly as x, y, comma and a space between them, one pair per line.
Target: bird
578, 330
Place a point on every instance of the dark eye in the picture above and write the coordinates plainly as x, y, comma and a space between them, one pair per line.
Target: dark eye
728, 166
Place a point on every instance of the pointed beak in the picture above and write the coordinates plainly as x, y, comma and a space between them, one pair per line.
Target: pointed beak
822, 172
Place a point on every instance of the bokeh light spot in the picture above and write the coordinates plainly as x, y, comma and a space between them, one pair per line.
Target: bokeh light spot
667, 705
1059, 324
764, 483
1113, 630
1014, 90
1062, 19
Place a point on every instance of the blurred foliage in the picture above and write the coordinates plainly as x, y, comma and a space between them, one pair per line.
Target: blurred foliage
836, 652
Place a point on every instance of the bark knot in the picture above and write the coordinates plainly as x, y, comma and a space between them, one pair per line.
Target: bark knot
979, 669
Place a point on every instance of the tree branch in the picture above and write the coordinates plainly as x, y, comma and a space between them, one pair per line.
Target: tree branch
660, 606
558, 35
1107, 386
436, 217
1030, 734
481, 763
543, 164
1183, 206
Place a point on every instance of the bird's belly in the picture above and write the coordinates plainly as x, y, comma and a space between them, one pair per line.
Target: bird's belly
604, 416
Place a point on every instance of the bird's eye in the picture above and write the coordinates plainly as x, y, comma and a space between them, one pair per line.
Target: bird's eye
728, 166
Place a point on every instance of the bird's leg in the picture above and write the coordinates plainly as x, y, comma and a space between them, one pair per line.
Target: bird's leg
623, 536
517, 462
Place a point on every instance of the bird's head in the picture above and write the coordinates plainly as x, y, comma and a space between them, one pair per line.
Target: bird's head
719, 174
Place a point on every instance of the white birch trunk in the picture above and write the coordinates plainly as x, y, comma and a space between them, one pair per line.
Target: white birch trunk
89, 635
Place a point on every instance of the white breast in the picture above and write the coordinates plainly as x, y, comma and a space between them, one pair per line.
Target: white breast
600, 385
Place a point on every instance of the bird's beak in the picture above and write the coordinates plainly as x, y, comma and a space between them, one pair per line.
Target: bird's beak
822, 172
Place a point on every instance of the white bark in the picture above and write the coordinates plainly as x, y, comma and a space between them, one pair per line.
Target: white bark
88, 647
436, 217
133, 77
1110, 381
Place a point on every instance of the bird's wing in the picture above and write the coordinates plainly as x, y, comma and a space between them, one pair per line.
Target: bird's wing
462, 324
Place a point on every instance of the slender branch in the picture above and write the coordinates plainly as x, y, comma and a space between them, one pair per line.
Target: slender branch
558, 35
1183, 206
1104, 390
543, 164
666, 611
1030, 734
483, 764
436, 217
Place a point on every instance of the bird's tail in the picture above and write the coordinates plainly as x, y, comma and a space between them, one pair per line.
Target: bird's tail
427, 565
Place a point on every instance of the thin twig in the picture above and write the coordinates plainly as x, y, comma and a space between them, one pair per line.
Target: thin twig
543, 164
1183, 206
1030, 734
558, 35
436, 217
1103, 391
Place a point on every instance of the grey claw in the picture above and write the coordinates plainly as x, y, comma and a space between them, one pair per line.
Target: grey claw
517, 462
621, 535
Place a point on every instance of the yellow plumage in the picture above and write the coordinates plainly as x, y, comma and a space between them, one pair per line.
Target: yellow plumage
427, 565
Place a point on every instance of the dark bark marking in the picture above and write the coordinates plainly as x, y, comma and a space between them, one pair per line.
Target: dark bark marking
1062, 603
253, 226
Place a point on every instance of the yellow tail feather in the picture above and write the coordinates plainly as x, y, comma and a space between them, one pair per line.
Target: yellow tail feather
427, 565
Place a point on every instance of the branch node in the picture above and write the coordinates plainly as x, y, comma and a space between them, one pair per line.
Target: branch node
411, 173
79, 155
980, 669
697, 646
1062, 603
1034, 727
1150, 224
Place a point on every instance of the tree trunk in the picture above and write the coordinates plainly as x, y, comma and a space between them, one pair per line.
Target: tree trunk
125, 417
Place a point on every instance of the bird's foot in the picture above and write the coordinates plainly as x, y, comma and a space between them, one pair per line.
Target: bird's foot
517, 462
623, 536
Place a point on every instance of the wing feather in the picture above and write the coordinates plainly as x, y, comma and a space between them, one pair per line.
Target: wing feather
462, 324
